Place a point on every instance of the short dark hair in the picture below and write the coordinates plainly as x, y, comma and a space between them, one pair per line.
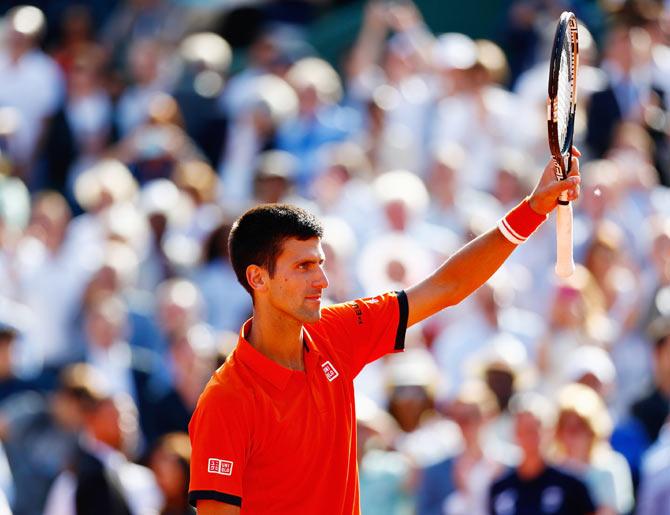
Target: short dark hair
258, 236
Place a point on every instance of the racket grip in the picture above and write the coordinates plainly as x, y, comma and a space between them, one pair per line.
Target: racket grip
565, 264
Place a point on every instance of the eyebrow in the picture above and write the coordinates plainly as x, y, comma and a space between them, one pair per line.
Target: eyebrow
320, 260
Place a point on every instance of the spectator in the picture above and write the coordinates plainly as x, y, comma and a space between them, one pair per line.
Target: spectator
577, 317
320, 119
654, 494
459, 485
227, 302
138, 20
51, 279
413, 382
582, 433
41, 432
270, 102
633, 435
270, 54
630, 89
145, 58
36, 88
10, 382
129, 370
274, 178
593, 367
474, 333
386, 475
76, 37
206, 57
101, 479
157, 143
190, 361
342, 188
390, 77
170, 461
534, 486
83, 127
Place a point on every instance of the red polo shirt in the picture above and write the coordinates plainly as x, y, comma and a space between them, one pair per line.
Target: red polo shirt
273, 440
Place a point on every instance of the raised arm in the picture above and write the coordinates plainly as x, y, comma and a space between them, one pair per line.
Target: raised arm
476, 262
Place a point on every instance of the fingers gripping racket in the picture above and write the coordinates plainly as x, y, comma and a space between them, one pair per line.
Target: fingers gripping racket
561, 119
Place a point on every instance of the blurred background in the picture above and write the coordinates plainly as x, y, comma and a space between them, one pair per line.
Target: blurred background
133, 132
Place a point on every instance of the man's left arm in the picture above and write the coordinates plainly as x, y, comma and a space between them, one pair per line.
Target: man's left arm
476, 262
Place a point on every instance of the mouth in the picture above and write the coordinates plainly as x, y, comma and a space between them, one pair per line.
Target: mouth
313, 298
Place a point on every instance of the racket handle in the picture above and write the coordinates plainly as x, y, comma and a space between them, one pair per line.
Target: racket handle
565, 264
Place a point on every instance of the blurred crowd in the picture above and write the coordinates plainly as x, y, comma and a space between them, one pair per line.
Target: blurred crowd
132, 137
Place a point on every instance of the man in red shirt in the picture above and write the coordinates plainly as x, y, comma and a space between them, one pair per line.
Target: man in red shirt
274, 430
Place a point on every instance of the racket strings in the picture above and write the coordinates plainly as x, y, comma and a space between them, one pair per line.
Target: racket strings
564, 93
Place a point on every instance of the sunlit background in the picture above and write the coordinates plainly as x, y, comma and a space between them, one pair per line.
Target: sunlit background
132, 133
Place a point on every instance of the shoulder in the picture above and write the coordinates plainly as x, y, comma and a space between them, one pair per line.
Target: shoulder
507, 478
564, 476
230, 387
444, 466
359, 310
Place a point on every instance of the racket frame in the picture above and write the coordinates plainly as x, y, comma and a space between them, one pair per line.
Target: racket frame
562, 150
567, 27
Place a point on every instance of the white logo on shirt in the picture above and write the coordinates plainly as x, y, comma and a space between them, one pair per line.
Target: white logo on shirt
329, 370
505, 502
222, 467
552, 499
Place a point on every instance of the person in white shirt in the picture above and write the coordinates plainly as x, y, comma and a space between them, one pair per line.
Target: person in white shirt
36, 88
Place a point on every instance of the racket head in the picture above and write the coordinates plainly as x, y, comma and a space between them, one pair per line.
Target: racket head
562, 91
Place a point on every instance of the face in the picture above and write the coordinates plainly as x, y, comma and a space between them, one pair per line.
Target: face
104, 424
169, 474
407, 405
574, 434
299, 279
469, 418
529, 433
101, 331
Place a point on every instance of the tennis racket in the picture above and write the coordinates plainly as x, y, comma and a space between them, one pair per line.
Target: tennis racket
561, 105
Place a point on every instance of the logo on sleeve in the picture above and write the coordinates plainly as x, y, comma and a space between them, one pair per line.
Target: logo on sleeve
359, 313
222, 467
329, 370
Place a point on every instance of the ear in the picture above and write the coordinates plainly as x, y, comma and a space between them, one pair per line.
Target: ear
257, 278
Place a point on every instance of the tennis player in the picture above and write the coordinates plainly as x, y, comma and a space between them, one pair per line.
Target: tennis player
274, 429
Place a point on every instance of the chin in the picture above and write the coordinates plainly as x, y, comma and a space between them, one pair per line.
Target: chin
311, 316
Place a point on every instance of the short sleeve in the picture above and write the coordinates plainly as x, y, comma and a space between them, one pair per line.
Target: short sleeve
220, 442
366, 329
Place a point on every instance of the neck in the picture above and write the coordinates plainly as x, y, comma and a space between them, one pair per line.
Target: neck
278, 338
664, 384
472, 447
16, 54
531, 466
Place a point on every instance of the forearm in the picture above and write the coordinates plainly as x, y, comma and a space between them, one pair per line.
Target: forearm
459, 275
369, 45
472, 266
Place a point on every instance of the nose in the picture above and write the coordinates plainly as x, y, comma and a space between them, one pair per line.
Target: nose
321, 281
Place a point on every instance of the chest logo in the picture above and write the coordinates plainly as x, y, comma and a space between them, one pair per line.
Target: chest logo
329, 370
552, 499
222, 467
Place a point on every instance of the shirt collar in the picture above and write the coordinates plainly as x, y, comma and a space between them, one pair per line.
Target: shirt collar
265, 367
